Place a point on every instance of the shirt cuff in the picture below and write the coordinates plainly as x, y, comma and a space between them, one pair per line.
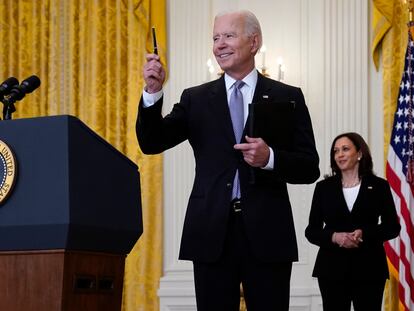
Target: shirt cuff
270, 165
150, 99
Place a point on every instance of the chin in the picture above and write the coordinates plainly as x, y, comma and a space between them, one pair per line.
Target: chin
223, 67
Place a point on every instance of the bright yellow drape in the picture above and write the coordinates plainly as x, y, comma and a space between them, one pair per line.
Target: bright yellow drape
390, 19
390, 38
89, 57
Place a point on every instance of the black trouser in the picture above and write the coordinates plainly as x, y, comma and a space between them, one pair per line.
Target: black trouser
266, 286
366, 295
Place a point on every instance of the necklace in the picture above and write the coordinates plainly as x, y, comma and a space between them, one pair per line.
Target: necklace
350, 185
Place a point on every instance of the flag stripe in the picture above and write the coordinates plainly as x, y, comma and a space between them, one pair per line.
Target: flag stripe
403, 254
403, 191
392, 256
400, 175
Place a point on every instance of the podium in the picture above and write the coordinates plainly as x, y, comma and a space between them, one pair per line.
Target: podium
71, 218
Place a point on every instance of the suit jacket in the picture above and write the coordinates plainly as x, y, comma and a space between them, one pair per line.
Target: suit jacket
373, 212
202, 116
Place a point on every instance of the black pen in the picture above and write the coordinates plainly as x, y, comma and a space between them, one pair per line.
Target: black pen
154, 41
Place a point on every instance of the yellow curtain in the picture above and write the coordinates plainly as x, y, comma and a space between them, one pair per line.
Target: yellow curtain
89, 56
390, 19
144, 264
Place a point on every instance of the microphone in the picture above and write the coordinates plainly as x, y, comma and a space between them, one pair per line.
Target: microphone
27, 86
16, 93
7, 86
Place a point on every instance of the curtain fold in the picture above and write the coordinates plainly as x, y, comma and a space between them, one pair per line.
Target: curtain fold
389, 41
390, 19
89, 56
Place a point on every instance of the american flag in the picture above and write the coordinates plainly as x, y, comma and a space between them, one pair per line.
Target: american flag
400, 173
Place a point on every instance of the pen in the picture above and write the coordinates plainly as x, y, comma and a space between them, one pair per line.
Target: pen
154, 41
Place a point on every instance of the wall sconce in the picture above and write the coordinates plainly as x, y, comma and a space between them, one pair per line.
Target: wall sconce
210, 65
211, 70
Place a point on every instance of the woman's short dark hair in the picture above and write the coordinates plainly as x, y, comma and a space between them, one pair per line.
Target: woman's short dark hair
365, 163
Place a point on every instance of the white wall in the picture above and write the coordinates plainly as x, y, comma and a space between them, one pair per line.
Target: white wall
324, 44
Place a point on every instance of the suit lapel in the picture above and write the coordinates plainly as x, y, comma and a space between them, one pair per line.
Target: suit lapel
220, 107
263, 88
360, 196
366, 186
261, 94
339, 194
219, 104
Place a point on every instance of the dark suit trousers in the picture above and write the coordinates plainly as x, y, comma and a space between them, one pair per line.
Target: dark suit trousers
266, 286
366, 295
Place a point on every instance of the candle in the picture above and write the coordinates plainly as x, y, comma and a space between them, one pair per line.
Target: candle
263, 51
282, 72
281, 69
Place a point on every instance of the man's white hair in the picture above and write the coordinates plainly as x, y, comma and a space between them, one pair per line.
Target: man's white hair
251, 23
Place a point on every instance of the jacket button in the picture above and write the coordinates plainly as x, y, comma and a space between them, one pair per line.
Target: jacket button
229, 185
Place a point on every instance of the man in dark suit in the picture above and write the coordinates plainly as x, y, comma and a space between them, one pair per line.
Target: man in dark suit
235, 231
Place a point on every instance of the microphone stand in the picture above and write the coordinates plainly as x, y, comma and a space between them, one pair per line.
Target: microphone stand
8, 108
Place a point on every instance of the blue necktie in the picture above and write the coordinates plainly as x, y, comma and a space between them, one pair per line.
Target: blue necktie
237, 119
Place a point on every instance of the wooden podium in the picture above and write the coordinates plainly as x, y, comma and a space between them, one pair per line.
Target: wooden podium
71, 219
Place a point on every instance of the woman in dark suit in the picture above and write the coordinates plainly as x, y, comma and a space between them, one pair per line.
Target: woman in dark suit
352, 214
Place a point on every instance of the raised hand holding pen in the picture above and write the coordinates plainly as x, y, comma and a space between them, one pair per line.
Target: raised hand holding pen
154, 72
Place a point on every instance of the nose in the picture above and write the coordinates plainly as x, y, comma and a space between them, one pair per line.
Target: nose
220, 43
339, 154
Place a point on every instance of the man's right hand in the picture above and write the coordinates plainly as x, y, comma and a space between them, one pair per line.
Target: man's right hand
154, 74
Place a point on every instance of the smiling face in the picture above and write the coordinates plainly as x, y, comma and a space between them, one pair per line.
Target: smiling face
346, 155
233, 48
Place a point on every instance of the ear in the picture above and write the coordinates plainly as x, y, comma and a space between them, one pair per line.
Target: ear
254, 43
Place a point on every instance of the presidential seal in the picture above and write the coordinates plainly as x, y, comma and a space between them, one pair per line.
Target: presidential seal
8, 171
